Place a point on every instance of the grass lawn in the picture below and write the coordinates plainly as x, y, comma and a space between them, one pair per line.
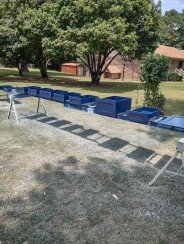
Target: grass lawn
79, 178
173, 91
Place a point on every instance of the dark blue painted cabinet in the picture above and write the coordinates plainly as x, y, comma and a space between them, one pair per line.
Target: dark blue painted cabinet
34, 91
62, 97
140, 115
112, 106
79, 101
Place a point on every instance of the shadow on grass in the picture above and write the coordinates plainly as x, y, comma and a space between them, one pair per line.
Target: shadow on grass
66, 207
103, 87
139, 154
175, 106
158, 135
68, 81
114, 144
93, 204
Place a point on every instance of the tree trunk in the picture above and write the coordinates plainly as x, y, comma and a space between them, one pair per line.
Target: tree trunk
95, 78
41, 60
123, 75
43, 70
44, 74
97, 64
42, 64
20, 72
24, 67
17, 64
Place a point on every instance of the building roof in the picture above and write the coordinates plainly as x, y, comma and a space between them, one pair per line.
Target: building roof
113, 69
71, 64
170, 52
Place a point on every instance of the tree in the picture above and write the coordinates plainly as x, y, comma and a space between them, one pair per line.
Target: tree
96, 30
154, 70
14, 47
172, 29
39, 29
180, 36
26, 29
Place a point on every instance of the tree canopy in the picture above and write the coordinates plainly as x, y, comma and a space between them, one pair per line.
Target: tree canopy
94, 30
90, 30
26, 27
14, 46
172, 29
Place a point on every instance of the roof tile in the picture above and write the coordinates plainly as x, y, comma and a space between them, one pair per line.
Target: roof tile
170, 52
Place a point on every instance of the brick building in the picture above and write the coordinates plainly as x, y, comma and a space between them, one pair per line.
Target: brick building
175, 55
121, 69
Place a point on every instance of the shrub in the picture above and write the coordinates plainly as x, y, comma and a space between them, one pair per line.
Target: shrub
157, 100
154, 69
174, 76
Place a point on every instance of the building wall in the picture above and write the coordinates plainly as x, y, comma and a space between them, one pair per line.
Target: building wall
69, 69
175, 64
129, 70
81, 71
112, 76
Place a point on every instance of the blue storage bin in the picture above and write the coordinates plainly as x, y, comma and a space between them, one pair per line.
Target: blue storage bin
34, 91
7, 88
24, 89
58, 95
155, 120
173, 122
112, 106
46, 93
2, 88
60, 91
140, 115
62, 97
79, 101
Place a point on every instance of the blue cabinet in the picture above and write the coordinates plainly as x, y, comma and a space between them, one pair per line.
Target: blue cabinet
173, 122
24, 89
46, 93
112, 106
140, 115
62, 97
34, 91
79, 101
7, 88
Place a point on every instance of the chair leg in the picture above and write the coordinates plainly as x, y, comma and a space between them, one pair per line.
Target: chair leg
164, 168
182, 157
38, 106
10, 109
13, 107
43, 105
15, 111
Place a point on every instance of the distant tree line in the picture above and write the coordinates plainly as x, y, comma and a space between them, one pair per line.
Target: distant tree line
40, 31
